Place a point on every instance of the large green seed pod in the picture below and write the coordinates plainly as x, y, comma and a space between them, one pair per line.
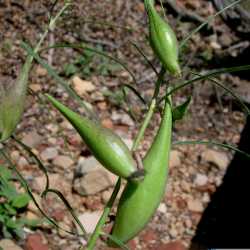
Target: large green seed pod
140, 200
163, 40
107, 147
12, 99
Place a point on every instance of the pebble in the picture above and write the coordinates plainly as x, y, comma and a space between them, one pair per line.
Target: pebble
162, 208
49, 153
195, 206
36, 242
89, 220
22, 162
7, 244
32, 139
217, 158
94, 177
82, 86
175, 160
200, 180
63, 161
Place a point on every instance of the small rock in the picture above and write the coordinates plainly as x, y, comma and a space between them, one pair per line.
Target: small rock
107, 123
95, 177
217, 158
35, 87
195, 206
7, 244
162, 208
22, 162
89, 220
49, 153
31, 216
122, 118
206, 198
175, 159
15, 155
36, 242
175, 245
173, 232
128, 142
53, 128
81, 86
188, 223
63, 161
106, 195
32, 139
56, 181
200, 180
40, 71
66, 125
148, 236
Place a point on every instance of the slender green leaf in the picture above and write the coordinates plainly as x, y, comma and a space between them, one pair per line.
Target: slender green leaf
60, 80
26, 186
145, 57
206, 76
136, 92
213, 143
116, 241
231, 92
66, 203
184, 41
180, 111
84, 47
38, 161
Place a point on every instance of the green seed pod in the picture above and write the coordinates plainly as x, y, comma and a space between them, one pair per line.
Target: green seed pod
12, 99
107, 147
162, 40
140, 200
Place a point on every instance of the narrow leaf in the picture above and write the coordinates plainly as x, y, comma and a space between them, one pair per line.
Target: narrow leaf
213, 143
180, 111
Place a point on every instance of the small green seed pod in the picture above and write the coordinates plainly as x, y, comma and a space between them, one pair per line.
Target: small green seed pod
12, 99
107, 147
140, 200
163, 40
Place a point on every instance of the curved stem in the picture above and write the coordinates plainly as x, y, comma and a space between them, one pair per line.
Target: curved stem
151, 110
102, 220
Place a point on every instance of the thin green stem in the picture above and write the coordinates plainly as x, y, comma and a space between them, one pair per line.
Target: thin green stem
51, 26
151, 110
102, 220
159, 82
144, 124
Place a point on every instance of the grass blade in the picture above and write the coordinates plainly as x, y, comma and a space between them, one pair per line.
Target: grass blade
101, 53
206, 76
38, 161
66, 203
26, 186
60, 80
238, 98
136, 92
212, 143
145, 57
184, 41
116, 241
